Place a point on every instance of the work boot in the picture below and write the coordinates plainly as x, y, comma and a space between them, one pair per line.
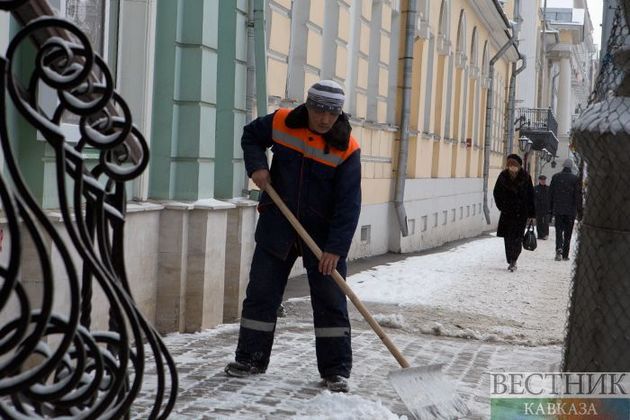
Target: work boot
512, 267
336, 383
242, 370
558, 255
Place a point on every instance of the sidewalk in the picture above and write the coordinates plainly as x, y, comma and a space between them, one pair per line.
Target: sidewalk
292, 382
290, 388
298, 286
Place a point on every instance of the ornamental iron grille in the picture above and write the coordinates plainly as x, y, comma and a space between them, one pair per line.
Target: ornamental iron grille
53, 363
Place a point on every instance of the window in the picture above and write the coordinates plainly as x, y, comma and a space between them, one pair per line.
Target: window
424, 223
98, 19
365, 233
445, 217
412, 226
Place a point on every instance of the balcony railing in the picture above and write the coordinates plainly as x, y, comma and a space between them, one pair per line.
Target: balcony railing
536, 119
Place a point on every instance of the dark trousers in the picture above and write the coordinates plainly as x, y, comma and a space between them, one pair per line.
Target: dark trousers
267, 281
564, 230
542, 226
513, 247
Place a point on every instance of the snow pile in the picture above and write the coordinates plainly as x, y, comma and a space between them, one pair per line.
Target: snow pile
338, 406
391, 321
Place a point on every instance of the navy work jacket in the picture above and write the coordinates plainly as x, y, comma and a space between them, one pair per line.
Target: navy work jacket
320, 184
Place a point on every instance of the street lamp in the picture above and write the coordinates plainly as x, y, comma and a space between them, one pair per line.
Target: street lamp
525, 145
543, 154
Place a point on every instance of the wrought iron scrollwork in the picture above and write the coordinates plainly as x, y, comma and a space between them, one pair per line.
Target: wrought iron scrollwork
52, 362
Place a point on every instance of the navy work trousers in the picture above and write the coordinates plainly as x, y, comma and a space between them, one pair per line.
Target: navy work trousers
267, 281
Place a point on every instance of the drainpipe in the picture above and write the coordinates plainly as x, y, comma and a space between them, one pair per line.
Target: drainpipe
509, 126
403, 153
554, 96
261, 57
489, 108
250, 92
256, 87
511, 106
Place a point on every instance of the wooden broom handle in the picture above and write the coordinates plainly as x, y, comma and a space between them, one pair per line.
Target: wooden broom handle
337, 277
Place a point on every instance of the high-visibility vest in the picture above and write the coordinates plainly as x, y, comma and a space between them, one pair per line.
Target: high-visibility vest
311, 145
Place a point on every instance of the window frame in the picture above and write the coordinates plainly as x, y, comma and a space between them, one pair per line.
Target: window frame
48, 98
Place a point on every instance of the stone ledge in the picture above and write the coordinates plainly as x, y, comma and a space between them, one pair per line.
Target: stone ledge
141, 206
202, 204
242, 202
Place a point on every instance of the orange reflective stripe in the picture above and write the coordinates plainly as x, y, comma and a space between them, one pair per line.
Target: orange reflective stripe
306, 149
308, 143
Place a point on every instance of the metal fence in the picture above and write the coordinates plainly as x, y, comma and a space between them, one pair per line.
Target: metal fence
598, 329
537, 119
53, 362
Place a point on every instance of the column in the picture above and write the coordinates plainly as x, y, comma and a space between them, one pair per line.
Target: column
229, 167
185, 100
564, 96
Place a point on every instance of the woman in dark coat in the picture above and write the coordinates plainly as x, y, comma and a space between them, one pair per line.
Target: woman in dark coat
514, 197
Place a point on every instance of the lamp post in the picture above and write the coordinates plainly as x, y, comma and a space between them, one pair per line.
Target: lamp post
525, 145
545, 158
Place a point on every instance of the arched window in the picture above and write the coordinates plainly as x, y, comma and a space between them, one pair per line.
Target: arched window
460, 47
423, 9
485, 63
474, 49
444, 28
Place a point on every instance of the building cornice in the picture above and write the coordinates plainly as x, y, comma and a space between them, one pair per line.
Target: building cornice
497, 24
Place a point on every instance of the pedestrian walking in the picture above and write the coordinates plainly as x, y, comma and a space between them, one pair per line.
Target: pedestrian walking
316, 170
565, 197
514, 197
543, 211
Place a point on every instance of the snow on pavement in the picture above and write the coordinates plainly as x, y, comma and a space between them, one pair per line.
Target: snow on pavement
464, 292
472, 280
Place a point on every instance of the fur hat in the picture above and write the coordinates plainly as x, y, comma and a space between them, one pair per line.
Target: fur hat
568, 163
515, 158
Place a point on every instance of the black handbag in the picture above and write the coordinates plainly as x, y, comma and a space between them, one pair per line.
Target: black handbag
529, 239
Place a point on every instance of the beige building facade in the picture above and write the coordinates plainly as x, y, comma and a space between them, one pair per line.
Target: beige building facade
359, 44
184, 70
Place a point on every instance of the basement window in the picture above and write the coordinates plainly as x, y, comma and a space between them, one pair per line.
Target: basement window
365, 233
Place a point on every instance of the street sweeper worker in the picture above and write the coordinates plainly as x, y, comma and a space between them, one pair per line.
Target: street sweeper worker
316, 170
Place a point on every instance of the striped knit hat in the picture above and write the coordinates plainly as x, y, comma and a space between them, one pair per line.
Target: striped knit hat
326, 95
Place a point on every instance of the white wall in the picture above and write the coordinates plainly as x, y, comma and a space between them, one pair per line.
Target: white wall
136, 56
452, 208
528, 40
426, 200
